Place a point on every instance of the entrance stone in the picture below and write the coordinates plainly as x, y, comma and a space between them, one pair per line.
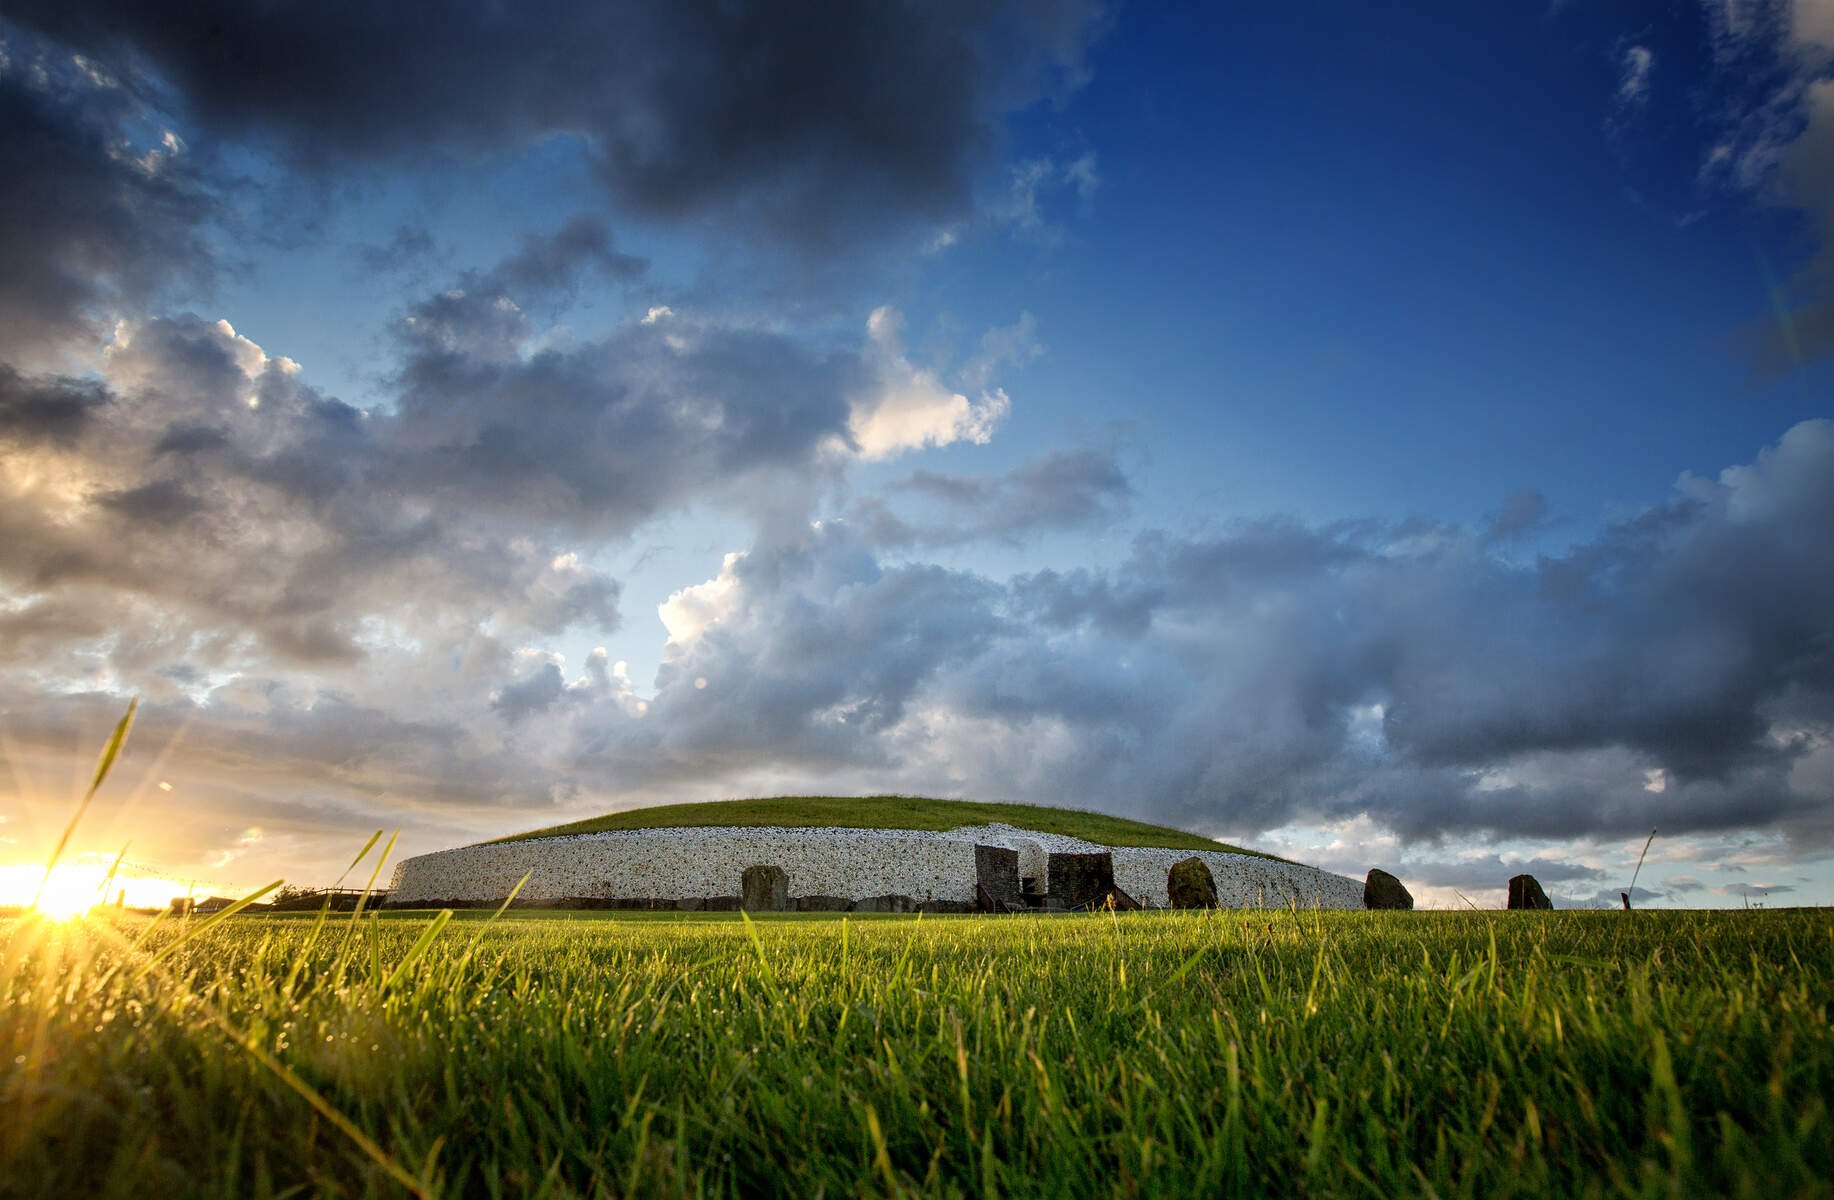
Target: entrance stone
1081, 880
996, 870
1189, 884
764, 889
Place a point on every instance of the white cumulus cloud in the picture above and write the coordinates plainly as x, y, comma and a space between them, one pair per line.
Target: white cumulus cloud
910, 407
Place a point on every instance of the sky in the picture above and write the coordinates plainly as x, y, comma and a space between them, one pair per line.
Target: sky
1384, 438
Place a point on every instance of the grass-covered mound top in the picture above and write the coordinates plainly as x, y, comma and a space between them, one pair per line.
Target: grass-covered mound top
888, 812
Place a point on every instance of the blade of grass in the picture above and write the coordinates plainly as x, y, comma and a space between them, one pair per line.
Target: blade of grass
1631, 894
343, 1124
374, 874
324, 914
104, 765
478, 939
420, 947
209, 923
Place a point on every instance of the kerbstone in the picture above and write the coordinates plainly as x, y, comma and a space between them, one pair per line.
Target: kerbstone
1525, 893
1189, 884
1382, 890
765, 888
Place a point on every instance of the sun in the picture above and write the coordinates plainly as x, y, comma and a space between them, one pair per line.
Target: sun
74, 888
70, 891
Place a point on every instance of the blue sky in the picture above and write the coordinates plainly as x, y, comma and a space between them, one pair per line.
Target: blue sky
1304, 424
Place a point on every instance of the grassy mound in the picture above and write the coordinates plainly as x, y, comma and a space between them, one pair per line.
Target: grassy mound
888, 812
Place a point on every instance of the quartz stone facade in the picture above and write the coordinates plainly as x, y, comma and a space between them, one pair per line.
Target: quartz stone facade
834, 864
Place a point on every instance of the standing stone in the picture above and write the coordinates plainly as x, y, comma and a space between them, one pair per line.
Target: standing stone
1189, 884
1525, 892
996, 871
1382, 890
764, 889
1081, 880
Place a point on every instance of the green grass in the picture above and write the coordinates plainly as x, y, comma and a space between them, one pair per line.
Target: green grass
889, 812
1238, 1053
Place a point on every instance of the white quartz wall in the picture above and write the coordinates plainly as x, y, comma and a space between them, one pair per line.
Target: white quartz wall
1242, 880
697, 863
852, 863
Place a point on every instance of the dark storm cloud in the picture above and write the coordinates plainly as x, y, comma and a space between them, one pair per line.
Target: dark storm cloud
90, 217
1677, 670
46, 409
206, 496
1493, 871
316, 759
820, 121
597, 436
1056, 491
534, 694
553, 261
825, 655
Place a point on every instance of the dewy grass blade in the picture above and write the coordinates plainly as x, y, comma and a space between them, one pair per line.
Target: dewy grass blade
477, 939
104, 765
201, 928
757, 943
108, 879
324, 915
419, 948
374, 874
203, 1005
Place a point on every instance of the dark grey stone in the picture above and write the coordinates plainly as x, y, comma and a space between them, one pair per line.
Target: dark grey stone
1189, 884
720, 904
765, 889
946, 906
1081, 880
1525, 893
1382, 890
996, 870
821, 904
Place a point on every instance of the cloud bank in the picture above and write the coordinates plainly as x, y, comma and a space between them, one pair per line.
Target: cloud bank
819, 124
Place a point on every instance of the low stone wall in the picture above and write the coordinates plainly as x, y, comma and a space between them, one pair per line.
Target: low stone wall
1242, 880
697, 863
839, 864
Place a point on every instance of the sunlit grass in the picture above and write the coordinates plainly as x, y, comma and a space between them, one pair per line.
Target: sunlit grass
1166, 1054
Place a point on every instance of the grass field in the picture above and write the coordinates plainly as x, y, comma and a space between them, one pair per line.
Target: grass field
889, 812
1149, 1054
